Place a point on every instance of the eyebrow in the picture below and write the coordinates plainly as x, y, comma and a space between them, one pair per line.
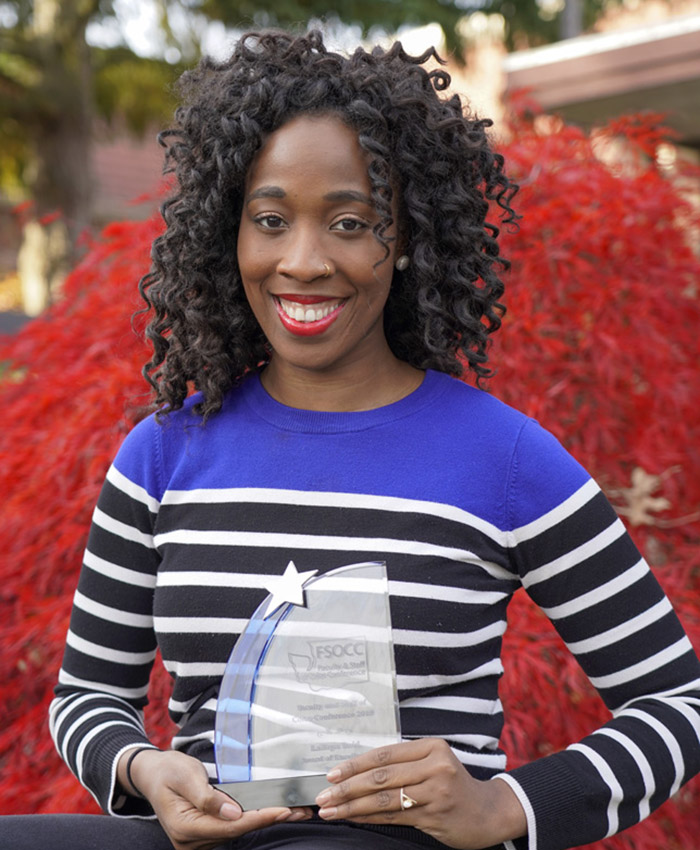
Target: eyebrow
266, 192
338, 196
349, 195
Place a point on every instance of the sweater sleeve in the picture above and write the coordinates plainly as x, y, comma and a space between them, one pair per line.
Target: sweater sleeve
97, 712
577, 562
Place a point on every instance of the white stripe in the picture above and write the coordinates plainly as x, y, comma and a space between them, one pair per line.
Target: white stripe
88, 715
204, 578
606, 774
180, 741
690, 715
467, 705
434, 680
410, 637
413, 590
648, 665
641, 762
445, 593
62, 707
333, 543
496, 761
121, 482
524, 801
617, 633
126, 576
566, 509
199, 625
128, 693
320, 629
576, 556
668, 739
105, 653
86, 740
479, 742
599, 594
113, 615
323, 499
121, 529
179, 707
679, 690
183, 708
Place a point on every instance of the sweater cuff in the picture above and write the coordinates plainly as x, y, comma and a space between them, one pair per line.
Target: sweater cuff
121, 804
99, 774
560, 812
529, 841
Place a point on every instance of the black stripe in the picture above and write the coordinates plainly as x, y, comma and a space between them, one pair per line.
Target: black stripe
565, 535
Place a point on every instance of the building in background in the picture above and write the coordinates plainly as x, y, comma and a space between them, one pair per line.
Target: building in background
590, 79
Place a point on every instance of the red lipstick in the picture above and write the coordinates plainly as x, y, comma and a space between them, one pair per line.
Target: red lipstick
312, 328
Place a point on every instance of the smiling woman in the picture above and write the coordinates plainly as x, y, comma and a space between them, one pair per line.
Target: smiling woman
314, 274
326, 271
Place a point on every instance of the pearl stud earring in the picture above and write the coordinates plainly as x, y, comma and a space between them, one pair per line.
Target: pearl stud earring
402, 263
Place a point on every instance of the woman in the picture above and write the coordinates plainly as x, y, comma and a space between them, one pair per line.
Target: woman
326, 268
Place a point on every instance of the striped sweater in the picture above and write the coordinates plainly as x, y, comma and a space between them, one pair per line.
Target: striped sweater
466, 500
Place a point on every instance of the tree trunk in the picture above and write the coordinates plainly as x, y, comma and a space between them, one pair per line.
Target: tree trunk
61, 179
571, 19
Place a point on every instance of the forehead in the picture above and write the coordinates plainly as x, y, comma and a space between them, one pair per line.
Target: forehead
310, 148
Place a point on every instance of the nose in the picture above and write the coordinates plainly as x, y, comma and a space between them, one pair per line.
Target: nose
302, 256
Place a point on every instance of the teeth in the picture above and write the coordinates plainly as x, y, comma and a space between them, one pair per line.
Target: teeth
307, 314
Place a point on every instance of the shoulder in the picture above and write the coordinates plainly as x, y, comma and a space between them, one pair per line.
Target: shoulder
536, 473
475, 415
178, 441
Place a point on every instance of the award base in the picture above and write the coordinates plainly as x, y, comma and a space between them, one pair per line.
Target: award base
287, 791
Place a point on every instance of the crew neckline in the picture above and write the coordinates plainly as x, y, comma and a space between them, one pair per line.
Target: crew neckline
333, 422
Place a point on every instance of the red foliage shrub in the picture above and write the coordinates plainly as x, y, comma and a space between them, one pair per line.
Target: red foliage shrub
601, 343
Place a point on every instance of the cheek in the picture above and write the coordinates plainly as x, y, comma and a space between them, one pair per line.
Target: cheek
248, 252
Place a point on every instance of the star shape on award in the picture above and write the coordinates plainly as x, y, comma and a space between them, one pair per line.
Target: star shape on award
289, 587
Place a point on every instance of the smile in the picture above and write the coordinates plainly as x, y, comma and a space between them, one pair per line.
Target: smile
308, 315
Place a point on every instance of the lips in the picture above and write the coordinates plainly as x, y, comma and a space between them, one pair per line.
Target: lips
307, 315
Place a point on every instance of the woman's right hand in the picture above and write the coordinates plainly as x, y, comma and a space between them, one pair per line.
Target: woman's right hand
194, 815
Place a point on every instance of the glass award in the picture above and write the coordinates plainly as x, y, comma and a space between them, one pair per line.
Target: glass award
310, 682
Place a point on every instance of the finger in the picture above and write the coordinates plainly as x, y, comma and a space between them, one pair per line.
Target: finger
376, 781
259, 818
195, 826
406, 751
221, 805
383, 806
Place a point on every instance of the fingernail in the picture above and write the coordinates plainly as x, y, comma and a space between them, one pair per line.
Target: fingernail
328, 813
230, 811
284, 816
323, 797
333, 775
297, 816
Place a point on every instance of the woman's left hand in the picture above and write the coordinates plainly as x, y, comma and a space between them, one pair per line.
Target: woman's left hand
440, 797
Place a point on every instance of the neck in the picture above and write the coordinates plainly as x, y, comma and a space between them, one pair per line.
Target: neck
344, 392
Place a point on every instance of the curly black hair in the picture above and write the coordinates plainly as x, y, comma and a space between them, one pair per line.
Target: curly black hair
440, 310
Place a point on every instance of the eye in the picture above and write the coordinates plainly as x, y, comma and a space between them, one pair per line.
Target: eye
349, 225
270, 221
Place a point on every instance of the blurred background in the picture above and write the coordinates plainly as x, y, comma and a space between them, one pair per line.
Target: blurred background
596, 108
86, 84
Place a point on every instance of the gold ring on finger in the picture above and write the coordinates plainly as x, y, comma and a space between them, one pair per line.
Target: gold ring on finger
406, 801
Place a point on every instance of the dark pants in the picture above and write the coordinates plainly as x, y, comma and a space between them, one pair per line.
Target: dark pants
101, 832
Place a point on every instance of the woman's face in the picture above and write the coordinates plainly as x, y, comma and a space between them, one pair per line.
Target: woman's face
306, 252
